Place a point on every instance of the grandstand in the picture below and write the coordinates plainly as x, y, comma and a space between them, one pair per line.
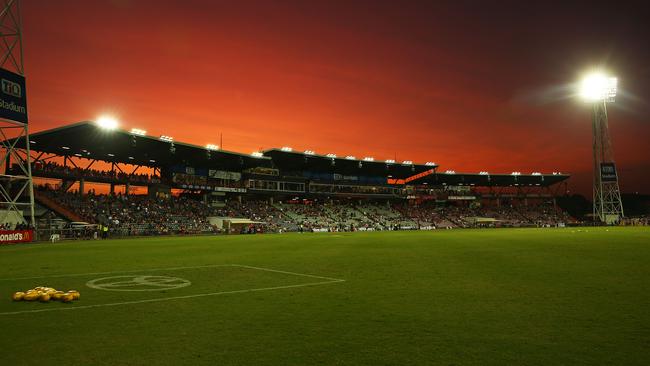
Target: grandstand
87, 177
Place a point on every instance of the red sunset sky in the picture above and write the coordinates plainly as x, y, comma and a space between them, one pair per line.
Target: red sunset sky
470, 87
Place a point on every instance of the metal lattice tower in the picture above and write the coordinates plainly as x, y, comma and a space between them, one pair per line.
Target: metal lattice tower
608, 207
16, 188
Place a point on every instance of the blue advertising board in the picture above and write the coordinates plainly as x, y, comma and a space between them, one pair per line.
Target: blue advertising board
608, 172
13, 101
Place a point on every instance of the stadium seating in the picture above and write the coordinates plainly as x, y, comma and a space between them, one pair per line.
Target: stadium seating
185, 214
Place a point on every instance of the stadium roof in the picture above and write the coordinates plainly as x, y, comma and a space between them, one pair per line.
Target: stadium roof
491, 180
87, 140
288, 161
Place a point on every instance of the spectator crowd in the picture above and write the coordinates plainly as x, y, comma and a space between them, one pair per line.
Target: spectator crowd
187, 214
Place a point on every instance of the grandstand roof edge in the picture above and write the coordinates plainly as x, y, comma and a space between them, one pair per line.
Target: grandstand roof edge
150, 137
434, 166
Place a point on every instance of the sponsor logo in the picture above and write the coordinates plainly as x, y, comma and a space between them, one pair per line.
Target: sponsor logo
13, 101
608, 172
15, 236
11, 237
11, 88
12, 107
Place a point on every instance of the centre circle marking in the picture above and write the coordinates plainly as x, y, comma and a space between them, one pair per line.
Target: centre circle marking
138, 283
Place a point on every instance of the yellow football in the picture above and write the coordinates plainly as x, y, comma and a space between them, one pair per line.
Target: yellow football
18, 296
68, 297
57, 295
75, 294
31, 296
44, 298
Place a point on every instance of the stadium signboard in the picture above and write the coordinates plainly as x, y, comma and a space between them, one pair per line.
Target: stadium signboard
15, 236
461, 198
13, 101
221, 174
212, 188
608, 172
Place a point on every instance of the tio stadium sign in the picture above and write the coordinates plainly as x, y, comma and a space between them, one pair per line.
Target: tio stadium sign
13, 101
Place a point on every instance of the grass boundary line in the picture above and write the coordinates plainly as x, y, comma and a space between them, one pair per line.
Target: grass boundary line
328, 280
172, 298
289, 273
172, 269
113, 272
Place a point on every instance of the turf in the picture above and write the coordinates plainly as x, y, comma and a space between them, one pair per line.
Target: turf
456, 297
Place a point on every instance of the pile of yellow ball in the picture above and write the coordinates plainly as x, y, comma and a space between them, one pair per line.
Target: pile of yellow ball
46, 294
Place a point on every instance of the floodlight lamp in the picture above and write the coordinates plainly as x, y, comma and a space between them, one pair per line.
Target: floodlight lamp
330, 155
407, 162
450, 172
430, 163
257, 154
107, 122
350, 157
212, 147
138, 131
368, 158
286, 148
483, 173
390, 161
166, 138
309, 152
537, 173
515, 173
598, 87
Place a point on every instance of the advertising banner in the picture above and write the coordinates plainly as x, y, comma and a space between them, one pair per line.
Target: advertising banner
221, 174
461, 198
608, 172
13, 101
16, 236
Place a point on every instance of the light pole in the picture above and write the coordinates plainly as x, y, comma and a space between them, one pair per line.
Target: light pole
599, 89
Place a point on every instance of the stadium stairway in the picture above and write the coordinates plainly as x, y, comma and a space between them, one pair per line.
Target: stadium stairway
456, 223
56, 207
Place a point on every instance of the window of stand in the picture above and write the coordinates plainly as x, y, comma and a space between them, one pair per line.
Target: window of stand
266, 185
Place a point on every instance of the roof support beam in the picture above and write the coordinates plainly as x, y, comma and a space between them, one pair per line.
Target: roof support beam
118, 168
38, 157
90, 164
135, 169
72, 162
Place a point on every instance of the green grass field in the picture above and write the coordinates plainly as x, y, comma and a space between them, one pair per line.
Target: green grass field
456, 297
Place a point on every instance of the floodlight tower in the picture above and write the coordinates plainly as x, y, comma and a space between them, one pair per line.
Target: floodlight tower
16, 189
599, 89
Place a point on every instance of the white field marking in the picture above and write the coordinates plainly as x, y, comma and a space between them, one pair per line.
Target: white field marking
173, 298
290, 273
171, 269
157, 282
112, 272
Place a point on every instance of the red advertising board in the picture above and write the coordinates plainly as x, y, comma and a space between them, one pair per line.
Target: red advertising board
16, 236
